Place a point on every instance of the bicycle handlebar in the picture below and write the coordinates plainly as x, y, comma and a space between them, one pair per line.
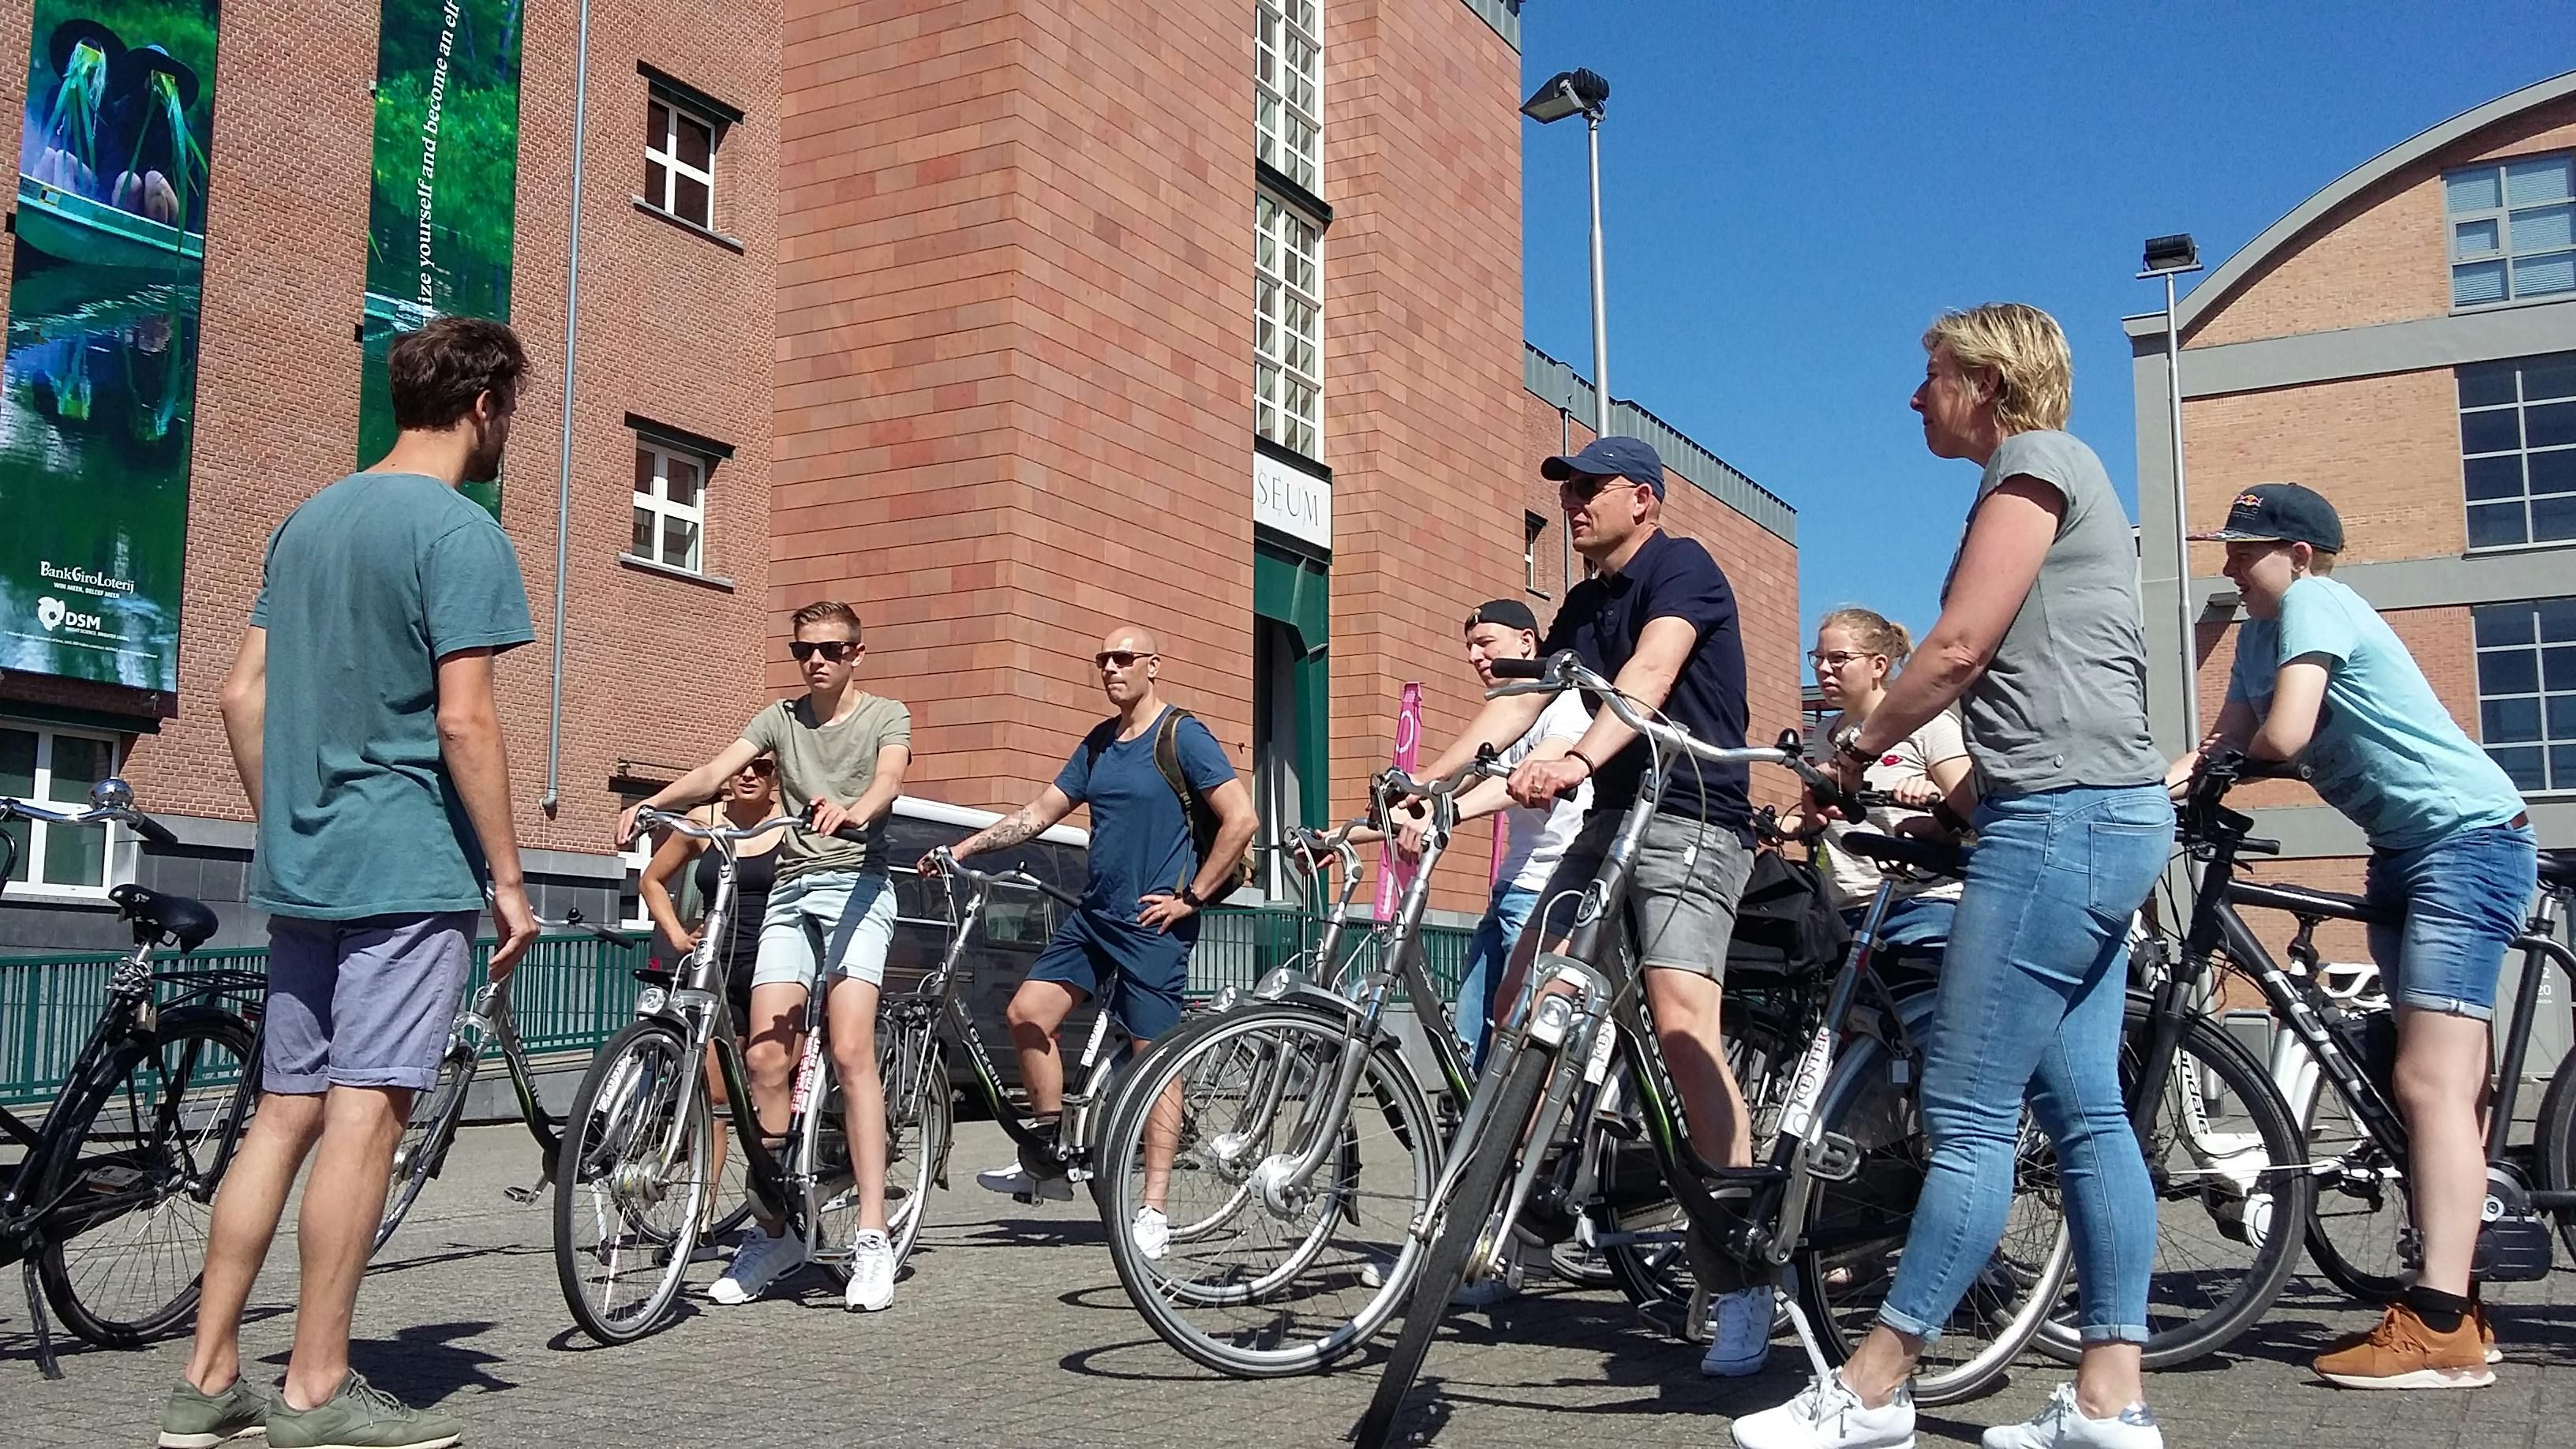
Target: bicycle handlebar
679, 824
946, 863
111, 799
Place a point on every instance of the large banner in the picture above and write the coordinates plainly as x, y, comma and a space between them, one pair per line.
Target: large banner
100, 380
443, 216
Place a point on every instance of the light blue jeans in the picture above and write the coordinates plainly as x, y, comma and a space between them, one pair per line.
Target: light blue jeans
2033, 996
1489, 955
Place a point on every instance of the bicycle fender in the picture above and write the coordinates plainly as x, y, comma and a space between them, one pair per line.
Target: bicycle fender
1289, 987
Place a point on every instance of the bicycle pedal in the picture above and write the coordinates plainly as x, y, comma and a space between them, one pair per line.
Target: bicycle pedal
1836, 1159
523, 1196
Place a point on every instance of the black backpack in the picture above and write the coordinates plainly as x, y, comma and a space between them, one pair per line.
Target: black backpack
1786, 921
1202, 817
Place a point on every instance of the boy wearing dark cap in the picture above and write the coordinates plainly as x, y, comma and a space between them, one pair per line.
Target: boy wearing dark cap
2321, 678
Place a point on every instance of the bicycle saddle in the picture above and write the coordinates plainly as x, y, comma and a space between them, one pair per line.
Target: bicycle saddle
2558, 869
1932, 857
188, 922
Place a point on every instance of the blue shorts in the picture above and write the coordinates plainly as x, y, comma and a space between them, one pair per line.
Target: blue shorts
2464, 896
1137, 972
367, 1003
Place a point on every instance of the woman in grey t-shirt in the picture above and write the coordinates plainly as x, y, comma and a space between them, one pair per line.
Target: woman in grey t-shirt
2039, 644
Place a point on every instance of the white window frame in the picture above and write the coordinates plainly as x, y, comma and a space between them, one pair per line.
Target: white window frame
664, 152
1533, 528
1288, 326
1288, 88
658, 502
117, 864
2501, 217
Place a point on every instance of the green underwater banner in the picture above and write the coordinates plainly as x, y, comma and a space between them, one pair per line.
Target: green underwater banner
442, 215
98, 391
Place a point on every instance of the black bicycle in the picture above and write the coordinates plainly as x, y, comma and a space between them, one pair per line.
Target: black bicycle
109, 1205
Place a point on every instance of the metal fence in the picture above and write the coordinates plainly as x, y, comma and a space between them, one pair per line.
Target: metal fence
573, 992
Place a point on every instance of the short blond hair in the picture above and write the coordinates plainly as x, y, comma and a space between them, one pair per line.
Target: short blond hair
2025, 349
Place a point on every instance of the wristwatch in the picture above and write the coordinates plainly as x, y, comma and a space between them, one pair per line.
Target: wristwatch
1190, 898
1847, 745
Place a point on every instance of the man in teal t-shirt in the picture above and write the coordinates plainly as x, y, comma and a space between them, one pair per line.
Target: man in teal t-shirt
361, 719
2320, 677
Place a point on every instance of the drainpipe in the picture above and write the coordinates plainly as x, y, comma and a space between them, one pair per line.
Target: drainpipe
553, 798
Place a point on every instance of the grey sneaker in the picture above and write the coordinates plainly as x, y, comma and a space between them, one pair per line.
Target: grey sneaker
360, 1416
195, 1420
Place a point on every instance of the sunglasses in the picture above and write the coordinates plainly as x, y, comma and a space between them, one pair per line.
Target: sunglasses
1582, 489
763, 768
1121, 658
835, 650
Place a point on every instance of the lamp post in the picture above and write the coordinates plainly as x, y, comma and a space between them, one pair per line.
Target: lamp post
1584, 93
2169, 257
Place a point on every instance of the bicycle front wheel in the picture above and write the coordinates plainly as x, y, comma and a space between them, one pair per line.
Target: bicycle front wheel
1463, 1227
2360, 1219
434, 1115
632, 1182
1856, 1231
132, 1180
1266, 1273
920, 1114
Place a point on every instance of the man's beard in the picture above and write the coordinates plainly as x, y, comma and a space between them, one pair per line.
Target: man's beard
483, 465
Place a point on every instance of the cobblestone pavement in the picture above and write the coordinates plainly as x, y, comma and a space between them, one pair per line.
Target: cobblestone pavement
1012, 1331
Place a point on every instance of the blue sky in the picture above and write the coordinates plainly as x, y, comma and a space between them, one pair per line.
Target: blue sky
1791, 192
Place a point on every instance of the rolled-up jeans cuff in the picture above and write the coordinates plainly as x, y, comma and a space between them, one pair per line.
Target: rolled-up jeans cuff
2442, 1005
1909, 1325
2112, 1333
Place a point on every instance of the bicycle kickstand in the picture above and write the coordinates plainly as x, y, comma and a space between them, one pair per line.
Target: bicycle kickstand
45, 1363
1806, 1332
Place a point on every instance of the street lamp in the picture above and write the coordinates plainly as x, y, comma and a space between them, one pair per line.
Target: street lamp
2170, 257
1583, 93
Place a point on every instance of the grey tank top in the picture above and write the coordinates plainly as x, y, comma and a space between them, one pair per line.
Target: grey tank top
2064, 701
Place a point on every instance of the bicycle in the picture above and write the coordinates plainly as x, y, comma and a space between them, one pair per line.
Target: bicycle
2346, 1197
109, 1206
1574, 1025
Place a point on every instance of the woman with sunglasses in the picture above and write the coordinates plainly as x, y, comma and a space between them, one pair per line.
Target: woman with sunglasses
1857, 655
749, 798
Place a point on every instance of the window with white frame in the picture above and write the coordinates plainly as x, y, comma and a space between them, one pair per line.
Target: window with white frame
680, 161
1288, 89
2513, 230
2527, 690
56, 767
1533, 528
1288, 328
2518, 450
670, 506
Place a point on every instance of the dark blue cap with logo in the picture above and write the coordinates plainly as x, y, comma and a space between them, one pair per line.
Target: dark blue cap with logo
2280, 513
1631, 458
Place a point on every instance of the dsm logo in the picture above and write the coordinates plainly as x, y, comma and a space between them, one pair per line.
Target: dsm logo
54, 614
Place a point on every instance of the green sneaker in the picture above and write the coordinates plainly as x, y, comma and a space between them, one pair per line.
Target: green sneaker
360, 1416
196, 1420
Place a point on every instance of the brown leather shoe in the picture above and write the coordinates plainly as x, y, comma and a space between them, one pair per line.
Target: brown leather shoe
2404, 1352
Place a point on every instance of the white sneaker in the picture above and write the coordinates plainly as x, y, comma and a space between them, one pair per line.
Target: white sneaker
1739, 1334
1152, 1232
759, 1262
2063, 1426
1826, 1415
871, 1272
1017, 1182
1486, 1292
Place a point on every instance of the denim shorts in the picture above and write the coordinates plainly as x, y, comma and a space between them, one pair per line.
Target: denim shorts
366, 1003
1682, 892
2464, 896
836, 923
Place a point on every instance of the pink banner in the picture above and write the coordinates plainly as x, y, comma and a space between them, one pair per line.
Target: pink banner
1394, 872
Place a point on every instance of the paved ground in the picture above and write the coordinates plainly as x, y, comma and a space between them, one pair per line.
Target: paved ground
1013, 1331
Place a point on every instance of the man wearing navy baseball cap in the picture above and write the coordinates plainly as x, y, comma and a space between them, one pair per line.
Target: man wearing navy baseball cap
1658, 617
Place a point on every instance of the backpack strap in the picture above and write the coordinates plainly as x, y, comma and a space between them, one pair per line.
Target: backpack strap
1167, 757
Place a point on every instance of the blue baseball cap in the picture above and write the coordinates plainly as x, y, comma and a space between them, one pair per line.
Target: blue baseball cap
1614, 457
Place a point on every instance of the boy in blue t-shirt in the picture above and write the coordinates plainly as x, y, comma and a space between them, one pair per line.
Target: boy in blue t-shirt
2319, 676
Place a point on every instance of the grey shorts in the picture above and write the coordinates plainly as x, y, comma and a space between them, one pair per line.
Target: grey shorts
1682, 894
366, 1003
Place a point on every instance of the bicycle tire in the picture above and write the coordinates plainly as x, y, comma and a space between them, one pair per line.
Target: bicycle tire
2553, 1147
426, 1138
1461, 1227
1287, 1317
644, 1074
1856, 1247
920, 1117
2359, 1212
77, 1267
2194, 1308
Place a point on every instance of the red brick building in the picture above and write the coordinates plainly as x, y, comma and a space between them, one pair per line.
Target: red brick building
1007, 320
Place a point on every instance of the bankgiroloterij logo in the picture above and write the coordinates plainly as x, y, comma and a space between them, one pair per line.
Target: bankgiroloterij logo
49, 612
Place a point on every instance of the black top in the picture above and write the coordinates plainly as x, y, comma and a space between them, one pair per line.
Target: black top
1604, 616
752, 877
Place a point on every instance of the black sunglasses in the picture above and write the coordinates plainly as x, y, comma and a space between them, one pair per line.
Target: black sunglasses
1121, 658
1583, 487
835, 650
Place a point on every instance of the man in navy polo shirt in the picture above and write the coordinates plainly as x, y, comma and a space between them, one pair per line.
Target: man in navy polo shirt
1658, 617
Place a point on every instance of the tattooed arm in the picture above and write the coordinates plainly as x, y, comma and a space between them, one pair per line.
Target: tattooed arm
1051, 806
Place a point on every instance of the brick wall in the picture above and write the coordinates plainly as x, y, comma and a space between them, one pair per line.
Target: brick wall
2384, 450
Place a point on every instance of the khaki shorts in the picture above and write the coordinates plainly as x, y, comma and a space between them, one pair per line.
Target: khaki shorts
1681, 896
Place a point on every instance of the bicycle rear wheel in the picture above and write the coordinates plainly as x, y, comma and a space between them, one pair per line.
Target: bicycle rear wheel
426, 1136
2232, 1198
627, 1212
1264, 1276
2554, 1148
132, 1179
1464, 1222
1856, 1231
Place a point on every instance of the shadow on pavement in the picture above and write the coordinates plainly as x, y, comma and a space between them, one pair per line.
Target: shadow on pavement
424, 1364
